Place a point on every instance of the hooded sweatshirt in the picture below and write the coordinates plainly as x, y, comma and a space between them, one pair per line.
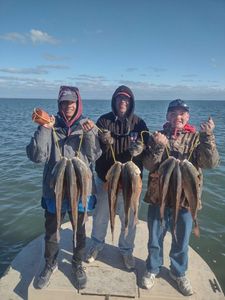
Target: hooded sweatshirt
48, 145
122, 129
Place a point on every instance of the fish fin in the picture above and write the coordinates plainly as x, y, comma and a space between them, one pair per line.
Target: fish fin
196, 229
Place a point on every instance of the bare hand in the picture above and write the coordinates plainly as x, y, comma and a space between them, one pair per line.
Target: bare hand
51, 123
207, 126
88, 125
160, 138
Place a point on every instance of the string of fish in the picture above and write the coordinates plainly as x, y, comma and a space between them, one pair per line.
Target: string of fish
75, 173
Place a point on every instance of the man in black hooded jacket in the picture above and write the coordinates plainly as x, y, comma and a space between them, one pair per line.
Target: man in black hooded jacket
121, 128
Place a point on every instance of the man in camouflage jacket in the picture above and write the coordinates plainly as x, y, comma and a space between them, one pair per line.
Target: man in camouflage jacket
180, 140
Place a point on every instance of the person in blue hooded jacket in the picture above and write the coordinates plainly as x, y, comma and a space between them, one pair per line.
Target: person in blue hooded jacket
62, 137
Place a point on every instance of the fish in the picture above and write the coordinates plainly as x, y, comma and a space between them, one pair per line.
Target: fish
131, 187
57, 182
176, 192
190, 185
73, 195
113, 182
84, 176
165, 171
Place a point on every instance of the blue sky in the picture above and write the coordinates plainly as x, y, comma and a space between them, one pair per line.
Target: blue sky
161, 49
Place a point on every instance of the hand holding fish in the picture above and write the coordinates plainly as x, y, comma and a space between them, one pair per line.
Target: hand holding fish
51, 123
88, 125
207, 126
136, 148
160, 138
42, 118
105, 137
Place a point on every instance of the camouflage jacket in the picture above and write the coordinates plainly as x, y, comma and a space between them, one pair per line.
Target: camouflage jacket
198, 147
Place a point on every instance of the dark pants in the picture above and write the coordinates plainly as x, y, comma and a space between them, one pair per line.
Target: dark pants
51, 243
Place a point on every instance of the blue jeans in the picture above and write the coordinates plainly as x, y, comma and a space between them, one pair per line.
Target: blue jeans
179, 248
101, 220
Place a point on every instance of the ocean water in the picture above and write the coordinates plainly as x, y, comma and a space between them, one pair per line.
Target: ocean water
21, 216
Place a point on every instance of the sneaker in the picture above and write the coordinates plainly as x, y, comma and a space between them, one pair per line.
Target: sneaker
129, 261
45, 275
80, 275
148, 280
183, 284
92, 255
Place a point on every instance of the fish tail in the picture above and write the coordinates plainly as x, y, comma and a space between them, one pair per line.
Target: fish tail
58, 235
196, 229
85, 217
112, 231
162, 225
75, 238
175, 233
126, 231
106, 186
136, 221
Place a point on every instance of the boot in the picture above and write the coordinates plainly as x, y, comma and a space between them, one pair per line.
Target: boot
44, 277
79, 274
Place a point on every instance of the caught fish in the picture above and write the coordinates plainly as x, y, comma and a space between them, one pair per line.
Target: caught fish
190, 184
176, 191
57, 182
165, 171
131, 186
83, 174
73, 195
113, 181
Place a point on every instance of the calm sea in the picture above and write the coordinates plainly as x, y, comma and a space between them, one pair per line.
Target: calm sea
21, 217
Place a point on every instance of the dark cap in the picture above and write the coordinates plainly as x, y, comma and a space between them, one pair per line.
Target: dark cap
68, 93
176, 104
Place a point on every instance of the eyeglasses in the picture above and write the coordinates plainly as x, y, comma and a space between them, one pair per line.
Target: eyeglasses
122, 98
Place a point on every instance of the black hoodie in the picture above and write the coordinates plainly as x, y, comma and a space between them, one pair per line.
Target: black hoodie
121, 130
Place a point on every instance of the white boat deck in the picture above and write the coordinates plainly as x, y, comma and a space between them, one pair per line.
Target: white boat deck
107, 277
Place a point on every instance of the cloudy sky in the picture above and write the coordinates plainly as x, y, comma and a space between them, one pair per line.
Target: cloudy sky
162, 49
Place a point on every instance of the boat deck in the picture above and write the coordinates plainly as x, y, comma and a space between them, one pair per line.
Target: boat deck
107, 277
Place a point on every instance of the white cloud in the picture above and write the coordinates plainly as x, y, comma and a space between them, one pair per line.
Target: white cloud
35, 36
23, 70
38, 36
42, 69
99, 87
52, 57
14, 37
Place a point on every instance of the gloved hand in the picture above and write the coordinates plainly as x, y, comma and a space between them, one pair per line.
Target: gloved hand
136, 148
105, 137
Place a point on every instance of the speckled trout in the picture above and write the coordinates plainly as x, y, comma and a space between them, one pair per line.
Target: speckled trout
83, 174
113, 182
190, 184
165, 171
131, 187
73, 195
57, 182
